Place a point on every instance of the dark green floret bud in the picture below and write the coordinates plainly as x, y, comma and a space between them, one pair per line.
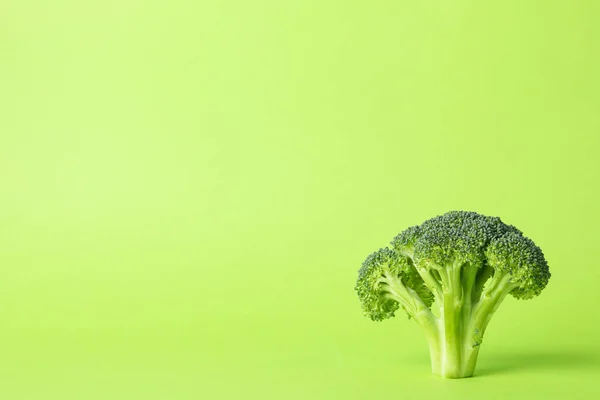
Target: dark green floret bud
405, 241
370, 280
386, 281
457, 236
523, 260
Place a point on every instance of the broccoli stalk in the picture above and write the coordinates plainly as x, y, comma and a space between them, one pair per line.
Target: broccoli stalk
464, 262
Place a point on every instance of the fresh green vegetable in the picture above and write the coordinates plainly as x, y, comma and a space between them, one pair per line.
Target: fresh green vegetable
467, 264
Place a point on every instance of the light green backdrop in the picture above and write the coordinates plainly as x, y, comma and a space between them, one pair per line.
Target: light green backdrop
188, 188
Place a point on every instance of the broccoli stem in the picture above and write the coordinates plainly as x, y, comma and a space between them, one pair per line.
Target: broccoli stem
492, 297
452, 324
430, 325
449, 363
466, 308
459, 329
452, 357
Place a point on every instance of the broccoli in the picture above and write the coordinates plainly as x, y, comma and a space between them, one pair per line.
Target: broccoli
464, 262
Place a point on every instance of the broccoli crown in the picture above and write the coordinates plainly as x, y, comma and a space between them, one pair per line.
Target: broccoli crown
473, 239
457, 236
377, 273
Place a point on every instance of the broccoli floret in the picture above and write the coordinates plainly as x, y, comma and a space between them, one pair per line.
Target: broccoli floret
467, 264
388, 280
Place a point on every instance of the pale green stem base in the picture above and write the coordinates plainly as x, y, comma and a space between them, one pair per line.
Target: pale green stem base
466, 307
447, 362
459, 330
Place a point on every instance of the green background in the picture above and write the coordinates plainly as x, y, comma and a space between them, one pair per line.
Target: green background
188, 188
